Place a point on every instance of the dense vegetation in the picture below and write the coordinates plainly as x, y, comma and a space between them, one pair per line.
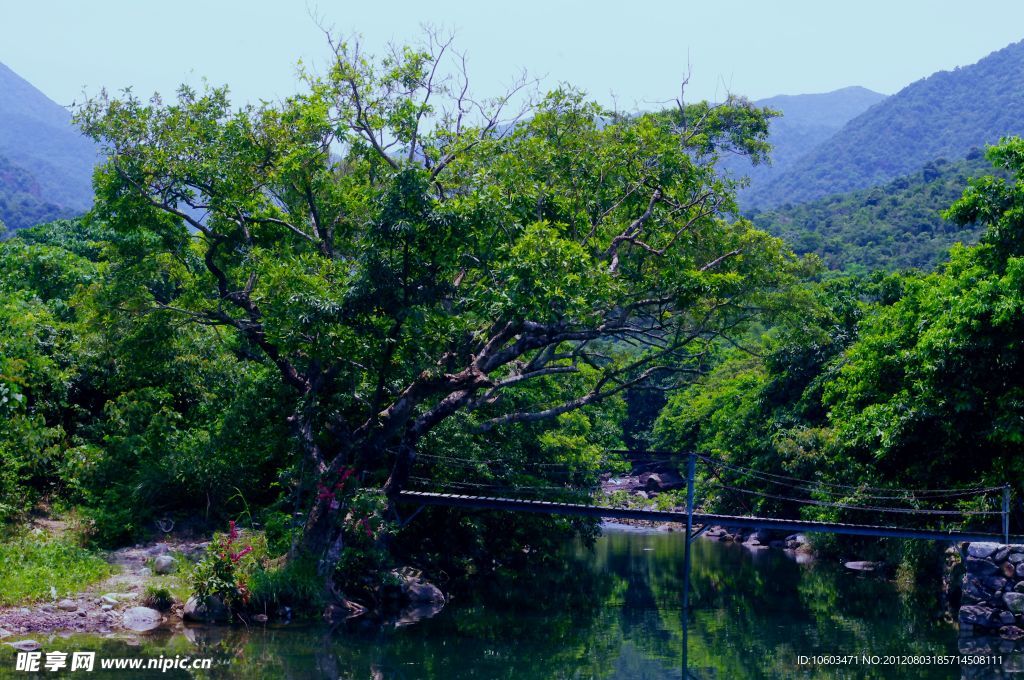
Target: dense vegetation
897, 381
898, 225
297, 310
941, 116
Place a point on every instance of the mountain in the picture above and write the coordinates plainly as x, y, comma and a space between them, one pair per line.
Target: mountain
46, 161
888, 227
807, 121
941, 116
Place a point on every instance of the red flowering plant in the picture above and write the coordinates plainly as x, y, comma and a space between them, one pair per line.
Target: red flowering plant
223, 572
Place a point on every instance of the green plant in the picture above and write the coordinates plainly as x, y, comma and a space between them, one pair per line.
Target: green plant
158, 597
223, 572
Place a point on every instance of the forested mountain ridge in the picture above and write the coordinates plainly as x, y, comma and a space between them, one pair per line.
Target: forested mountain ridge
47, 162
941, 116
807, 120
894, 226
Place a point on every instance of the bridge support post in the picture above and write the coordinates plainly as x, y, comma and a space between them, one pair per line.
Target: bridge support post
1006, 514
691, 465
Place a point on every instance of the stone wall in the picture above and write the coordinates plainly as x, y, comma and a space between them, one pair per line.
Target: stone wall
992, 600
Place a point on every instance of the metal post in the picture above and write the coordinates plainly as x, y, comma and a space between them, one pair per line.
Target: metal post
691, 464
1006, 514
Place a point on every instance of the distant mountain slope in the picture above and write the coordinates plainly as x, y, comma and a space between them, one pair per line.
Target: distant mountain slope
807, 121
36, 136
886, 227
942, 116
22, 201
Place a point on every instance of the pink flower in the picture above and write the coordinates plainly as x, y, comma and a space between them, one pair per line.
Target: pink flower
239, 555
234, 532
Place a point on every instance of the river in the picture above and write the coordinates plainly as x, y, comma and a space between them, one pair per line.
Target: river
614, 613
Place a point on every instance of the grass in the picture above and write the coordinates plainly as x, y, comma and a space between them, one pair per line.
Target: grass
30, 565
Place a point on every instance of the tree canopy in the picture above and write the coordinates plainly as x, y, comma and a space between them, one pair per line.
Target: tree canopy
403, 253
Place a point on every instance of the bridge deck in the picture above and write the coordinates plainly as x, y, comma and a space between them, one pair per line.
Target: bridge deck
790, 525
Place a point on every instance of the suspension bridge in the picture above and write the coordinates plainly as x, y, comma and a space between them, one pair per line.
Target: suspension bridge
958, 507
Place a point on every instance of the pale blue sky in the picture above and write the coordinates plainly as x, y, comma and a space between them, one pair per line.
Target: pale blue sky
636, 50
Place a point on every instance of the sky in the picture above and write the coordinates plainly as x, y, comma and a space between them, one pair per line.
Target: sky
624, 53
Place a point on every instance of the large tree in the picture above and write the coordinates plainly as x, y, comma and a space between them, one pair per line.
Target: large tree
402, 251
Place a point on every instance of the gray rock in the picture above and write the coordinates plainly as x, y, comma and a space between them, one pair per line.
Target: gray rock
1006, 618
47, 608
1016, 557
1014, 602
1019, 570
141, 619
25, 645
861, 565
975, 615
211, 610
106, 607
981, 567
421, 592
1011, 633
1001, 554
1019, 588
159, 549
108, 599
67, 605
163, 564
981, 550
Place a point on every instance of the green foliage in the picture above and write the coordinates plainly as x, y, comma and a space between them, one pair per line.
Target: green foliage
899, 382
898, 225
158, 597
227, 567
31, 564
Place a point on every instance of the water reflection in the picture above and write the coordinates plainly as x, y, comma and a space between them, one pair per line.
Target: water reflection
613, 612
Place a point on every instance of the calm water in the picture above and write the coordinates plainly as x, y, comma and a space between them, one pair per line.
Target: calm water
614, 614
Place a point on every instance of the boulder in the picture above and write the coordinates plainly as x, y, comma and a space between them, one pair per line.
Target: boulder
981, 550
1016, 557
141, 619
67, 605
980, 566
1019, 571
1011, 633
1001, 554
164, 564
976, 615
421, 592
210, 610
1014, 602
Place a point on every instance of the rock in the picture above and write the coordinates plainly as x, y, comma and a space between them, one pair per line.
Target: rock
108, 599
261, 618
860, 565
1011, 633
5, 633
640, 494
1019, 588
1001, 554
421, 592
141, 619
1008, 569
1020, 570
67, 605
975, 615
106, 607
1016, 557
47, 608
1006, 618
211, 610
163, 564
981, 567
981, 550
145, 572
25, 645
1014, 602
159, 549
